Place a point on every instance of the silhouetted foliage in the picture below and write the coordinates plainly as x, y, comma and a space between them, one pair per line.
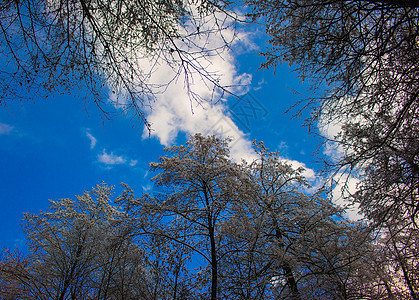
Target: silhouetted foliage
106, 49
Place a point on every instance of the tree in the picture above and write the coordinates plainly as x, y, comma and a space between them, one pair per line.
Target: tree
388, 265
14, 277
246, 231
289, 244
166, 257
399, 246
81, 249
211, 228
49, 46
198, 182
366, 52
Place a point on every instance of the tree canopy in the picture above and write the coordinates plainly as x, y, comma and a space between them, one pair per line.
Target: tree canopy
211, 229
365, 53
362, 56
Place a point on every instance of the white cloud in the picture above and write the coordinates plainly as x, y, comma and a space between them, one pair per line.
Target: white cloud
196, 105
191, 103
111, 159
5, 129
307, 173
92, 139
316, 182
173, 115
331, 131
259, 84
345, 186
147, 188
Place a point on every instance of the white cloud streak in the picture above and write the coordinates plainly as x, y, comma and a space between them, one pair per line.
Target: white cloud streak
5, 128
192, 106
111, 159
92, 139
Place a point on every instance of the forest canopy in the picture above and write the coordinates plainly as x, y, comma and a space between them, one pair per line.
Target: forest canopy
212, 229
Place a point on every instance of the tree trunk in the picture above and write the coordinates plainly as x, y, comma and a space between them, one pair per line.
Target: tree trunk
292, 283
211, 233
214, 271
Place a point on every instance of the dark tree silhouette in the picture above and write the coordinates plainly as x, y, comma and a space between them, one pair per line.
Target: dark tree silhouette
106, 47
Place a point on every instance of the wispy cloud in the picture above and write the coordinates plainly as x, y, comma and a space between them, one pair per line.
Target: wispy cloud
92, 139
111, 159
5, 128
132, 162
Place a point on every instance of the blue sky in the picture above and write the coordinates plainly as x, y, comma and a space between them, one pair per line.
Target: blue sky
60, 146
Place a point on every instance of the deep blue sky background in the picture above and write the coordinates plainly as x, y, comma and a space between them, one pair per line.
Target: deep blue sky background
46, 152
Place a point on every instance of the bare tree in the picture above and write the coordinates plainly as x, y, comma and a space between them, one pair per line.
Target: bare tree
111, 48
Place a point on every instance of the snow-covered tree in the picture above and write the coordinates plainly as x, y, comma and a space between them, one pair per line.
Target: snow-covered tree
288, 244
211, 229
197, 190
365, 54
80, 249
